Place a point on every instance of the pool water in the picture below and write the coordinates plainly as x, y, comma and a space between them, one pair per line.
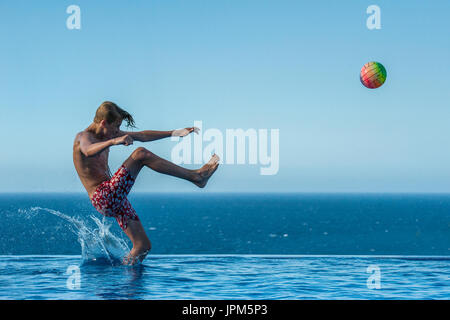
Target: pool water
226, 277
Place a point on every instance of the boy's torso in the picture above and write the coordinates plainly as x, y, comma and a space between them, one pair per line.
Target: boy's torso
92, 170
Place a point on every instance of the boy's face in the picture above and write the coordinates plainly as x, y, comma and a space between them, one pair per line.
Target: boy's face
111, 129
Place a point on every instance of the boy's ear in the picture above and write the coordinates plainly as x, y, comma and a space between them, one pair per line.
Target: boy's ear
103, 123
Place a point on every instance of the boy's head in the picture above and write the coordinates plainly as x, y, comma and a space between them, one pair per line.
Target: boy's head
111, 113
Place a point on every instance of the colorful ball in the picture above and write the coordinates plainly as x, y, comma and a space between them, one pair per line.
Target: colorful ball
373, 75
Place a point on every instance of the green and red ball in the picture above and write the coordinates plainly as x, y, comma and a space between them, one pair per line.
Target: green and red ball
373, 75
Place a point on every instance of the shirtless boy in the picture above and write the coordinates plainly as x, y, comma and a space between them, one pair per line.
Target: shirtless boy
108, 193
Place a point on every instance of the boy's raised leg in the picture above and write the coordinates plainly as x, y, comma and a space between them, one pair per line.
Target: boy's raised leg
142, 157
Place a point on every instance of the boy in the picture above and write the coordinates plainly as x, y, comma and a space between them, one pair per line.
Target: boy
108, 193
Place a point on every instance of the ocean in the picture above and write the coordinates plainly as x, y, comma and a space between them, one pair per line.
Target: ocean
229, 246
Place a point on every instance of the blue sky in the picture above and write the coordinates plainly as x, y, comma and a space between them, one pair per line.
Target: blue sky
287, 65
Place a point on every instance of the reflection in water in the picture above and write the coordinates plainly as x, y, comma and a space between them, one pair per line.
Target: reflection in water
125, 282
135, 280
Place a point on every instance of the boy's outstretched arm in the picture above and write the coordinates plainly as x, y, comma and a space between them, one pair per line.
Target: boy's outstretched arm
152, 135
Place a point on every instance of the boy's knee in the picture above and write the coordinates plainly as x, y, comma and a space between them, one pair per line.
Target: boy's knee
141, 154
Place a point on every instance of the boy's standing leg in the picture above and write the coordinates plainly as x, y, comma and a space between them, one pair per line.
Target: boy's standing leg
141, 244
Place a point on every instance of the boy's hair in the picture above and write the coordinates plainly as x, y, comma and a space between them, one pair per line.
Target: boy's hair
110, 112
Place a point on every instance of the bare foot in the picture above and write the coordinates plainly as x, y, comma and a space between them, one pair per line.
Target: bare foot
132, 259
205, 172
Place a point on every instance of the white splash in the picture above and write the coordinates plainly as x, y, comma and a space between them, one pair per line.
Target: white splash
98, 245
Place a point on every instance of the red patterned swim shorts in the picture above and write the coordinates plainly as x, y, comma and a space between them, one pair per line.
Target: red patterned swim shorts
110, 198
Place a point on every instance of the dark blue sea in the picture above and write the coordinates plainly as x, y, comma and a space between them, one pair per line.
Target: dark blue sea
229, 246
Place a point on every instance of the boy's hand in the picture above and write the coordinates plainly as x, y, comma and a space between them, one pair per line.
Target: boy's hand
125, 140
184, 132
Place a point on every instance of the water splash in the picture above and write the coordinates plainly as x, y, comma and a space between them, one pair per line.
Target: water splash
98, 245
